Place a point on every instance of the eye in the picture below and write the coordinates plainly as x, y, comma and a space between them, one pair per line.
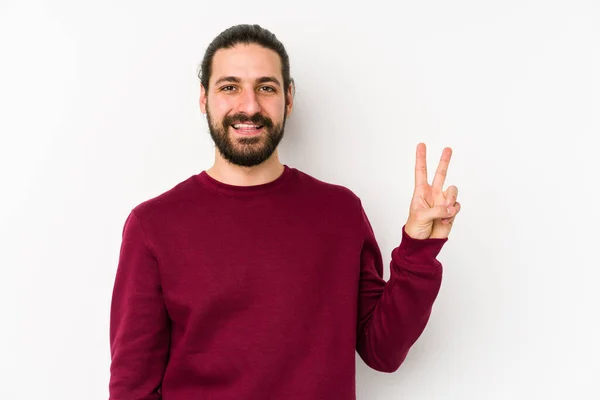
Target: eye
268, 89
227, 88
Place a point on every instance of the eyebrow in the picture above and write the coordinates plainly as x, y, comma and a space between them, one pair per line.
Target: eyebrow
235, 79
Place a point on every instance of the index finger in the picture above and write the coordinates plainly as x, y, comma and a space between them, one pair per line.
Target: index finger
421, 165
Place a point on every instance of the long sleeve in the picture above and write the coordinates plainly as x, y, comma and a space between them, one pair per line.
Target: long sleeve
393, 314
139, 324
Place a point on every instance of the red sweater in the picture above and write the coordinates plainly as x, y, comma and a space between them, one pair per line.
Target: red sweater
261, 292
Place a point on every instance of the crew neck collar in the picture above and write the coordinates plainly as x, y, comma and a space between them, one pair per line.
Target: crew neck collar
209, 182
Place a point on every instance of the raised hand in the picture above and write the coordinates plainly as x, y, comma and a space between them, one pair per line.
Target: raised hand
432, 209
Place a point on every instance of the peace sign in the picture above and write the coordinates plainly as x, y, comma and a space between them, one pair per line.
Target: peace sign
432, 209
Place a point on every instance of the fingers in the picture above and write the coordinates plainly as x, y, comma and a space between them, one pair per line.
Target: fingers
451, 194
451, 211
450, 220
421, 165
442, 169
456, 207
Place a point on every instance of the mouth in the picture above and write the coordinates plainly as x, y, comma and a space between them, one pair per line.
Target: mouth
247, 129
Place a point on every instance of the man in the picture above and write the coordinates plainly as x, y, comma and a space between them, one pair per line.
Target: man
254, 280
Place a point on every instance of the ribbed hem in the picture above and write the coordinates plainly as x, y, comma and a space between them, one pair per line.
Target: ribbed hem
418, 255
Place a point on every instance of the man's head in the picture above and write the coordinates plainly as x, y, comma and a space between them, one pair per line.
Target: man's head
245, 79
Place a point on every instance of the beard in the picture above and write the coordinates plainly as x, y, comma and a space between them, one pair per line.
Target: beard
246, 151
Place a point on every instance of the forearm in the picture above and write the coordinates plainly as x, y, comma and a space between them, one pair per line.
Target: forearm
392, 322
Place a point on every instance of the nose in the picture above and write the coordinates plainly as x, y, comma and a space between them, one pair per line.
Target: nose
248, 103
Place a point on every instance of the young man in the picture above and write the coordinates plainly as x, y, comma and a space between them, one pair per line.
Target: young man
252, 279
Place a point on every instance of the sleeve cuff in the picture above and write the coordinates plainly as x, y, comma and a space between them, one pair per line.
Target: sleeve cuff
418, 254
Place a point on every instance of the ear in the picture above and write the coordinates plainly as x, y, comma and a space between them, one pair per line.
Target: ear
202, 99
289, 99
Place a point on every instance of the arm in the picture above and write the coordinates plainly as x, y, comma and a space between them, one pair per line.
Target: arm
139, 324
392, 315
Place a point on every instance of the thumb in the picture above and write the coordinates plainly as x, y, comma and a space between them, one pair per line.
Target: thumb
438, 212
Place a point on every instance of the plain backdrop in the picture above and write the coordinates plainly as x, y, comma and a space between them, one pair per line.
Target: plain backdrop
99, 111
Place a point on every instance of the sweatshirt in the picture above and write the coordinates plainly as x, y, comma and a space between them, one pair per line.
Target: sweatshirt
227, 292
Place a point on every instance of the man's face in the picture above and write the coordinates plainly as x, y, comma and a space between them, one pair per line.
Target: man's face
245, 103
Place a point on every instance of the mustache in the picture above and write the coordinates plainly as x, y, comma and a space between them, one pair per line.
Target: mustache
257, 119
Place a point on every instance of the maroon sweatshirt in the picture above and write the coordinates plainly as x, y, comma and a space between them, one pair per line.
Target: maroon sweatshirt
261, 292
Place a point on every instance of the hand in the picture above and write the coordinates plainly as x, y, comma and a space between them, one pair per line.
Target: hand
432, 210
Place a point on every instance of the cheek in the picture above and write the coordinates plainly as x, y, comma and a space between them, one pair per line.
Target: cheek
218, 109
274, 109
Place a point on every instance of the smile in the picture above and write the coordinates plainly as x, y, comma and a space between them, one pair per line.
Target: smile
247, 129
246, 126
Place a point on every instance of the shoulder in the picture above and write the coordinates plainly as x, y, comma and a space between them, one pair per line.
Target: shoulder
168, 200
327, 190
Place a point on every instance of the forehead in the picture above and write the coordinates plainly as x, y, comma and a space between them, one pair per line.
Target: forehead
245, 61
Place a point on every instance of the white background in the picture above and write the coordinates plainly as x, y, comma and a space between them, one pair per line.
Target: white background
99, 111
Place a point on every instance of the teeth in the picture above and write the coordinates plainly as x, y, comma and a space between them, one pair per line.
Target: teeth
245, 126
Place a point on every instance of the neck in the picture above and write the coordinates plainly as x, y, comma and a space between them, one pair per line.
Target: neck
223, 171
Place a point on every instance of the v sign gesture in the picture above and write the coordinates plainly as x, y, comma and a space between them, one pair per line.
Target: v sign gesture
432, 209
